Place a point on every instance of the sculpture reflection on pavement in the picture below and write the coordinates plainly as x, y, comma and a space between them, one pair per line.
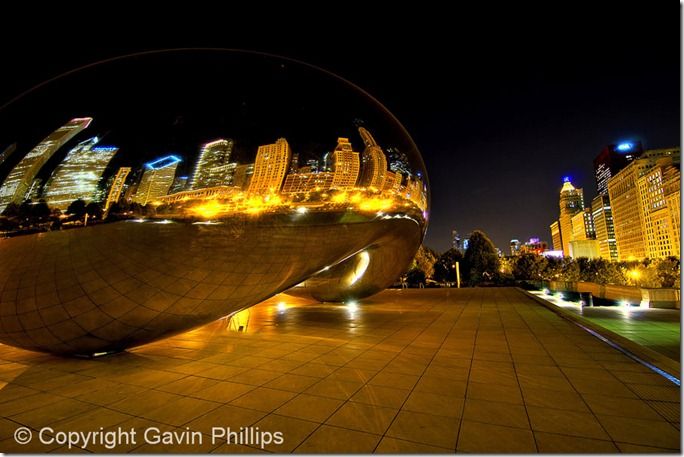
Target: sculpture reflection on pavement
172, 252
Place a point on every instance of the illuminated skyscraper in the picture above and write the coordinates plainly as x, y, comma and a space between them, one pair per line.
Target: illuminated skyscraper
213, 166
611, 160
243, 175
635, 204
556, 237
392, 182
157, 179
398, 162
602, 214
313, 165
515, 247
4, 155
571, 202
373, 163
180, 184
345, 165
17, 183
307, 182
78, 175
117, 186
270, 167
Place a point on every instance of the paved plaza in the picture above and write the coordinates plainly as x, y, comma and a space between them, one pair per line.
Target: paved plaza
405, 371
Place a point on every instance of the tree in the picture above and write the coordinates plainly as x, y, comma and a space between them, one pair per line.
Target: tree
77, 209
529, 266
481, 261
41, 211
415, 277
669, 272
425, 260
444, 270
94, 210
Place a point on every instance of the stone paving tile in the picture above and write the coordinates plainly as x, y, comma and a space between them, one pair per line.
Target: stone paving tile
482, 370
476, 437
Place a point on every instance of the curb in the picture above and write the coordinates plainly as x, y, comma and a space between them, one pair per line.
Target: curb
666, 364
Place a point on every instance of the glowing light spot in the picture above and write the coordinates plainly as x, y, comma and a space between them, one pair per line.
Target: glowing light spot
282, 306
209, 209
302, 210
352, 306
624, 146
362, 261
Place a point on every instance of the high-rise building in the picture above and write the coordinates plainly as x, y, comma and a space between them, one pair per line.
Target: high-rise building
556, 237
180, 184
4, 155
571, 202
313, 165
294, 163
373, 163
602, 214
611, 160
213, 165
515, 247
78, 175
659, 193
17, 183
583, 225
157, 179
307, 182
632, 211
392, 182
270, 167
345, 165
116, 187
243, 175
398, 161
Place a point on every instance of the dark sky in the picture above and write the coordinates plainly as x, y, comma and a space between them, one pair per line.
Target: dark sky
502, 101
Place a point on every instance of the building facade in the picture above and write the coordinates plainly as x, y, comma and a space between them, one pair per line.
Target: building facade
18, 182
79, 174
345, 165
212, 167
571, 202
602, 216
270, 167
157, 179
373, 163
635, 203
308, 182
556, 237
117, 186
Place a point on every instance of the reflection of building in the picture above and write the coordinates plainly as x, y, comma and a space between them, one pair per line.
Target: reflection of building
313, 165
14, 188
602, 216
398, 162
180, 183
556, 237
392, 182
611, 160
4, 155
116, 187
270, 167
157, 179
635, 203
78, 175
294, 163
571, 202
205, 193
307, 182
345, 165
212, 168
243, 175
373, 163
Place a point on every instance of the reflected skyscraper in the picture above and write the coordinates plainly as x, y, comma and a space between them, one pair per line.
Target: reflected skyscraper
270, 167
213, 166
117, 187
78, 175
18, 182
374, 163
345, 164
157, 179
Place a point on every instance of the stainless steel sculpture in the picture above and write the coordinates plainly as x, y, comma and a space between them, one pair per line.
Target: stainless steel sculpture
306, 214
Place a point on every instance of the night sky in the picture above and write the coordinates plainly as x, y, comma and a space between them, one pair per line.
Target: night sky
502, 101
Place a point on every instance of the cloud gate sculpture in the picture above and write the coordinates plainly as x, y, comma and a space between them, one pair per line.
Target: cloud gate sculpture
149, 194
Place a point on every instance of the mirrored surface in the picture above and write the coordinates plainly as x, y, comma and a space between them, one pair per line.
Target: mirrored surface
150, 194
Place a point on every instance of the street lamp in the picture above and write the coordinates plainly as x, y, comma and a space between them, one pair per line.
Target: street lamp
635, 275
